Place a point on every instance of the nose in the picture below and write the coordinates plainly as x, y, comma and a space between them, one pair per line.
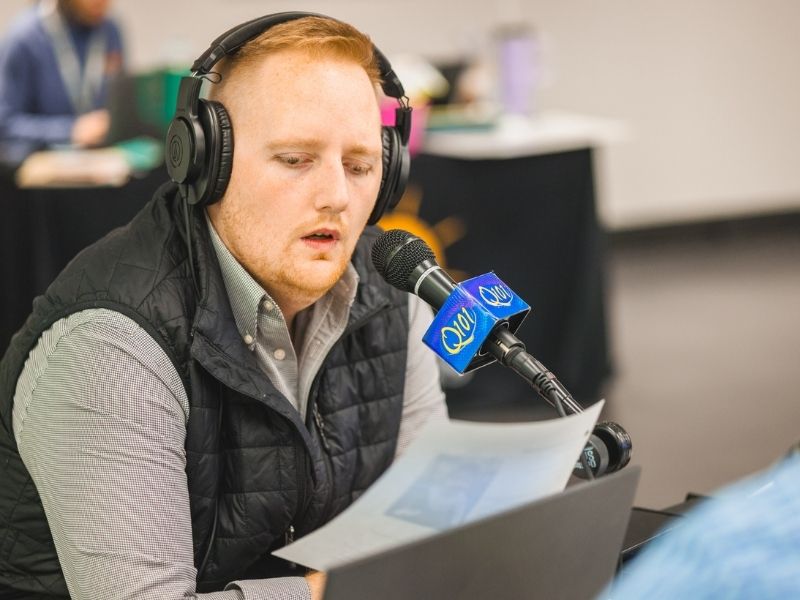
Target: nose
333, 194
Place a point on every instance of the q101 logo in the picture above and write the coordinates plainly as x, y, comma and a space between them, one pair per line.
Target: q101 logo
467, 318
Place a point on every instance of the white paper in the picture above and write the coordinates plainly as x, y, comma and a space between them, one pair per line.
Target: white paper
454, 472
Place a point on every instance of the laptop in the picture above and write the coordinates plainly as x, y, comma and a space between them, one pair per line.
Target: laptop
564, 547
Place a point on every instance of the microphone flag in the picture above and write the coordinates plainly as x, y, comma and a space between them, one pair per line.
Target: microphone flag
467, 317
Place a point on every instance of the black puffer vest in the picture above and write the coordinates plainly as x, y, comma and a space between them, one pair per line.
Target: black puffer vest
292, 473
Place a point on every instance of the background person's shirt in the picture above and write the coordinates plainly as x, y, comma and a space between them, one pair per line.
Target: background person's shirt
741, 545
100, 417
35, 105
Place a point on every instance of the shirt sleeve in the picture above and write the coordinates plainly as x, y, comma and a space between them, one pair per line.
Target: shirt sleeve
742, 543
100, 419
18, 69
114, 38
424, 399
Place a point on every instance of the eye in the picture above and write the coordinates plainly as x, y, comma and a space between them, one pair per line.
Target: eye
293, 160
357, 167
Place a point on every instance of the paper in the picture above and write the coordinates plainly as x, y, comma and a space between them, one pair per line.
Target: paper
454, 473
75, 167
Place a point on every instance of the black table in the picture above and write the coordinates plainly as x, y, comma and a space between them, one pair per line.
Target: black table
42, 229
533, 221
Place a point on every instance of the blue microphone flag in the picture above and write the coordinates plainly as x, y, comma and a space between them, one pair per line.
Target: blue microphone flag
467, 317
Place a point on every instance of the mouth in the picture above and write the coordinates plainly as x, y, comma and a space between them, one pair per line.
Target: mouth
322, 238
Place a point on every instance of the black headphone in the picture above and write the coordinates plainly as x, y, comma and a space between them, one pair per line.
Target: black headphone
199, 144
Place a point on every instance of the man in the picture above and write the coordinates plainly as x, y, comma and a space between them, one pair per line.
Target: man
55, 64
183, 410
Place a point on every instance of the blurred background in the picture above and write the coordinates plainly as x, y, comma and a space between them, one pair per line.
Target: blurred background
629, 168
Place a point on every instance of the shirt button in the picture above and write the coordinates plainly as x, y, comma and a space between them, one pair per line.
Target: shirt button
279, 354
248, 339
268, 306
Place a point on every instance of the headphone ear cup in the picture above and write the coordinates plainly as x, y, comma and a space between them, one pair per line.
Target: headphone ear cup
396, 164
213, 181
184, 150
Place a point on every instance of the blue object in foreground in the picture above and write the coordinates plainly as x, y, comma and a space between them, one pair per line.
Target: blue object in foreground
742, 545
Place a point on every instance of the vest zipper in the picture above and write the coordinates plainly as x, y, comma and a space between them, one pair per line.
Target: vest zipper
288, 536
302, 501
326, 455
321, 428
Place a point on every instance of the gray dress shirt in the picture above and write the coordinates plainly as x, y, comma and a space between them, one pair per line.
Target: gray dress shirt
100, 420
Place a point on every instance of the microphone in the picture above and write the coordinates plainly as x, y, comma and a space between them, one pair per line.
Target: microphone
408, 263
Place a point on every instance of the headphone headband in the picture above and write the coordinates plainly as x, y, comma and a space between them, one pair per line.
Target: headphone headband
229, 43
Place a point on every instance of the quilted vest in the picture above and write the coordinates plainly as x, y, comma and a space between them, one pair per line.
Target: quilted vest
255, 470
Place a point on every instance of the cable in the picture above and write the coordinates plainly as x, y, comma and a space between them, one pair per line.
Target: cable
510, 351
187, 217
213, 533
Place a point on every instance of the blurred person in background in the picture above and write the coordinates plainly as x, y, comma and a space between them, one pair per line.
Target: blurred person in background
55, 64
743, 544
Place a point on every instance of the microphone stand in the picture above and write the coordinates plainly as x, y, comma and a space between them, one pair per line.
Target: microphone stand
407, 263
510, 352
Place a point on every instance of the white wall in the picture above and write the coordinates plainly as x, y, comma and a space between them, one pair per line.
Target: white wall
710, 90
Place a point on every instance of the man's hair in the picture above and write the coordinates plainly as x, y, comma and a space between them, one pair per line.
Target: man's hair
317, 36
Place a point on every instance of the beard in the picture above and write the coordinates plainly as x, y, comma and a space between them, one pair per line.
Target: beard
295, 281
293, 273
307, 282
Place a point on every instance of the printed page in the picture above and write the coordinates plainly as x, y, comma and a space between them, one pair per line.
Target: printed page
454, 473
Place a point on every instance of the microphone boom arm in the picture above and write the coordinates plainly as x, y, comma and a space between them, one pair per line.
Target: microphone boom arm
407, 263
609, 446
510, 352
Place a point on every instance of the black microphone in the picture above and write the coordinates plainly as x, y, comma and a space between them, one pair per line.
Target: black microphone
407, 263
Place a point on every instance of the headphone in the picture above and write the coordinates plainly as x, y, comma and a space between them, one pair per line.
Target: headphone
199, 143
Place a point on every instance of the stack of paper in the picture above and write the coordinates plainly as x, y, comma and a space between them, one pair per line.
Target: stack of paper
454, 473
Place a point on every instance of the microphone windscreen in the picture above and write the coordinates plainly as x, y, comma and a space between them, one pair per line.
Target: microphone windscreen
396, 254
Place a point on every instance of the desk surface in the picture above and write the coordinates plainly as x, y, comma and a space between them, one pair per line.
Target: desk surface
517, 136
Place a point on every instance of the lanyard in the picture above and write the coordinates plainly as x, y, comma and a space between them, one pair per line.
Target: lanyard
82, 87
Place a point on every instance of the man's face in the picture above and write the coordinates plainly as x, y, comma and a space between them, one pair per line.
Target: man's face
306, 171
87, 12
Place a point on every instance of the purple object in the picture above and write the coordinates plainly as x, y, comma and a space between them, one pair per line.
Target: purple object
517, 69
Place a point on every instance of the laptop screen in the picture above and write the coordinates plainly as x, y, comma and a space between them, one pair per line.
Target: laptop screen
564, 546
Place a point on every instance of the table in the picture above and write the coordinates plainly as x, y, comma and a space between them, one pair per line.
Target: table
42, 229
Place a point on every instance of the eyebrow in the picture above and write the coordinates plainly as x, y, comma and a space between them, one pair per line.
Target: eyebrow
315, 144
